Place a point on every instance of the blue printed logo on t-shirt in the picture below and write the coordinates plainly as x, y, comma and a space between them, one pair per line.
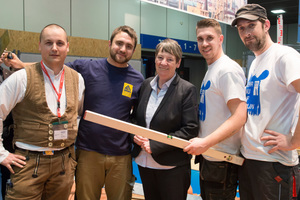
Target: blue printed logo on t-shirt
202, 105
253, 93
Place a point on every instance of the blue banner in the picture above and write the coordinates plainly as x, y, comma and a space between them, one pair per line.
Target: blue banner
150, 42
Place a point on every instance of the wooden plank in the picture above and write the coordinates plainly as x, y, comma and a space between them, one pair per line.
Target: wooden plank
155, 135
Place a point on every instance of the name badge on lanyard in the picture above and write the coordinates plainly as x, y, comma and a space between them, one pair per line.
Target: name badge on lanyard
60, 130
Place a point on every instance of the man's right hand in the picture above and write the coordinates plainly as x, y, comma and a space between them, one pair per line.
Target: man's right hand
13, 62
13, 159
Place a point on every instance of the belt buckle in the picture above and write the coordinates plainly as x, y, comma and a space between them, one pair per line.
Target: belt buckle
48, 153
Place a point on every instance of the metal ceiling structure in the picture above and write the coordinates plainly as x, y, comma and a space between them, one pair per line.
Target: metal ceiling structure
289, 6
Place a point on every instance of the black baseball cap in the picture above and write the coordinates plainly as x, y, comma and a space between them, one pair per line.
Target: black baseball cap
251, 12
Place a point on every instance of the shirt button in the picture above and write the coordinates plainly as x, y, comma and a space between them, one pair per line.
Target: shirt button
65, 126
50, 132
62, 144
50, 125
50, 144
50, 138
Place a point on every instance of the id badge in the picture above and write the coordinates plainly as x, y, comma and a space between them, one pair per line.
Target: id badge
60, 130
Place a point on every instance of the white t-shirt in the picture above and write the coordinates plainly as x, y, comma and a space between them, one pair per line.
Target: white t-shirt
272, 102
223, 81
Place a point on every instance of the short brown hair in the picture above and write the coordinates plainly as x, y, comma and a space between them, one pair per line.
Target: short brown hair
170, 46
205, 23
126, 29
56, 25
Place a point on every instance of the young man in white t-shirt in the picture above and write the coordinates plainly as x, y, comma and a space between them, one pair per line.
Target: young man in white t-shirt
272, 131
222, 113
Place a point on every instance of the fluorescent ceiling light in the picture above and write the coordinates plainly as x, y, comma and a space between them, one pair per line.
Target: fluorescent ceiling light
280, 11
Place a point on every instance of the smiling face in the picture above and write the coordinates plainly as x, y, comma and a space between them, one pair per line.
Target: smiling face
253, 33
209, 43
53, 46
121, 49
166, 65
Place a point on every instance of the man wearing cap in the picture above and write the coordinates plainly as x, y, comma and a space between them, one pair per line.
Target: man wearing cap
272, 131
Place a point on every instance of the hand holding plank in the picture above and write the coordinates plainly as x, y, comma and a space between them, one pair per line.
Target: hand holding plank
155, 135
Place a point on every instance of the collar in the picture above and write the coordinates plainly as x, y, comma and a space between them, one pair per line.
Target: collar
51, 72
167, 84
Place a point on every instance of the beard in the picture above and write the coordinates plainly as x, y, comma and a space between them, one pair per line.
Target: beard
121, 60
257, 44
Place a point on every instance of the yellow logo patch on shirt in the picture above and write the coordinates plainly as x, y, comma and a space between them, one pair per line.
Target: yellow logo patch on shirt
127, 90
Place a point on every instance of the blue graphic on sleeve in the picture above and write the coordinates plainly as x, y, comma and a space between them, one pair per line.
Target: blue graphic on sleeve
202, 105
253, 93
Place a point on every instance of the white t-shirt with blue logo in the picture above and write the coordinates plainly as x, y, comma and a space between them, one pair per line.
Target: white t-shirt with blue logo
223, 81
272, 103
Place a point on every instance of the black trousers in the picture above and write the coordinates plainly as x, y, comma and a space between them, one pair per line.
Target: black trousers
218, 180
171, 184
267, 180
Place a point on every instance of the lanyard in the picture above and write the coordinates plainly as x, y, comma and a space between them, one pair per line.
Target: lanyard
60, 87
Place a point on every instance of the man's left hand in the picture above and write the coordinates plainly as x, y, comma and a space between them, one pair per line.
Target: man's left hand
279, 141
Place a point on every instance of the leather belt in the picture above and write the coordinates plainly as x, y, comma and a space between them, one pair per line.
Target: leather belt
47, 153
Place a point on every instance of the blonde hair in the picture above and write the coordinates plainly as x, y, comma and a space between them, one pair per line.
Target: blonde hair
205, 23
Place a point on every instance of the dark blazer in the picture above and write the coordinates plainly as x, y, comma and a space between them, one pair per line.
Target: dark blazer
177, 115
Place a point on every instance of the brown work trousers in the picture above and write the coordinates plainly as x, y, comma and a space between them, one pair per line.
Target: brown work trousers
43, 177
96, 170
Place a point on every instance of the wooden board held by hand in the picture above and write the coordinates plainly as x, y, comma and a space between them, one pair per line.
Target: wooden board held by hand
155, 135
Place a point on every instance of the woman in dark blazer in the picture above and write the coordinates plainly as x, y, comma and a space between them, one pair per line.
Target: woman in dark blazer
167, 104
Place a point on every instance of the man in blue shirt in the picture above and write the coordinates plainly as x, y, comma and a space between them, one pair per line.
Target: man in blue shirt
103, 153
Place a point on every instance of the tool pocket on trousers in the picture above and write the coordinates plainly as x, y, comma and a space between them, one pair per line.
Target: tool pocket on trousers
282, 174
213, 171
